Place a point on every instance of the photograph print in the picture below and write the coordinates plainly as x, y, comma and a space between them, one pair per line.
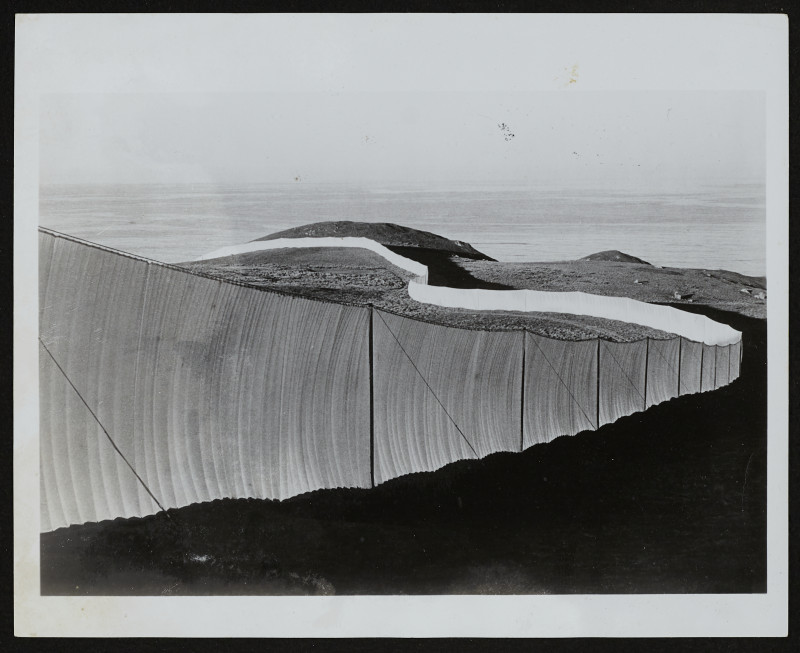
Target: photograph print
403, 344
340, 332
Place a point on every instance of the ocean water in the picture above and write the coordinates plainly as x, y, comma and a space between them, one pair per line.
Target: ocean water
707, 227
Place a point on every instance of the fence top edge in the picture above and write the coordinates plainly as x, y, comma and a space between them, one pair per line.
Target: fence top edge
539, 335
193, 273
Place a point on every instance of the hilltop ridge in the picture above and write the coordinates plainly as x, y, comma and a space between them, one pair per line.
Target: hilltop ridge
387, 234
613, 255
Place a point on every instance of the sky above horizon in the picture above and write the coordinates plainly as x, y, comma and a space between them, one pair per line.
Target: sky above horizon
646, 139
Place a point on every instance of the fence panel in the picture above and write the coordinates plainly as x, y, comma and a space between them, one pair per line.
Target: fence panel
209, 389
723, 366
90, 304
709, 368
735, 360
691, 360
272, 391
662, 370
560, 388
622, 372
442, 394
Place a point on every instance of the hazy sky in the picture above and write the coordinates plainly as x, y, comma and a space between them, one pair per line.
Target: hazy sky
611, 138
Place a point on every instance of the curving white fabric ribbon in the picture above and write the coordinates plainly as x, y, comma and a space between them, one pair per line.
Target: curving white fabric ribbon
664, 318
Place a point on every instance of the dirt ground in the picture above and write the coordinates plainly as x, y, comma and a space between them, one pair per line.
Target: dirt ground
719, 289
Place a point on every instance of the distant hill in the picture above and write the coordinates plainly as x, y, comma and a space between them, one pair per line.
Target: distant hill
613, 255
386, 233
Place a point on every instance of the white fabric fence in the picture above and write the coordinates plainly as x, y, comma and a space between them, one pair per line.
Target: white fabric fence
160, 388
665, 318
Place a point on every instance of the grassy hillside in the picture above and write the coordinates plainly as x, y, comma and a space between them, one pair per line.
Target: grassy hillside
386, 233
362, 277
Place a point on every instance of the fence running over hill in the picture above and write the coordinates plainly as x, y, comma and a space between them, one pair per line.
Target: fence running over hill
160, 388
688, 325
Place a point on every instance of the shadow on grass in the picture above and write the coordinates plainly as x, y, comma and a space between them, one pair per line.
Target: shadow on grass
442, 271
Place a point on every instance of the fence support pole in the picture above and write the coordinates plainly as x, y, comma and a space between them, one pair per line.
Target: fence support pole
371, 401
680, 343
729, 363
646, 361
702, 349
522, 393
597, 392
715, 367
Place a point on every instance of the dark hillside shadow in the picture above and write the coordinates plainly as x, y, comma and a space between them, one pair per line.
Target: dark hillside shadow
442, 271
